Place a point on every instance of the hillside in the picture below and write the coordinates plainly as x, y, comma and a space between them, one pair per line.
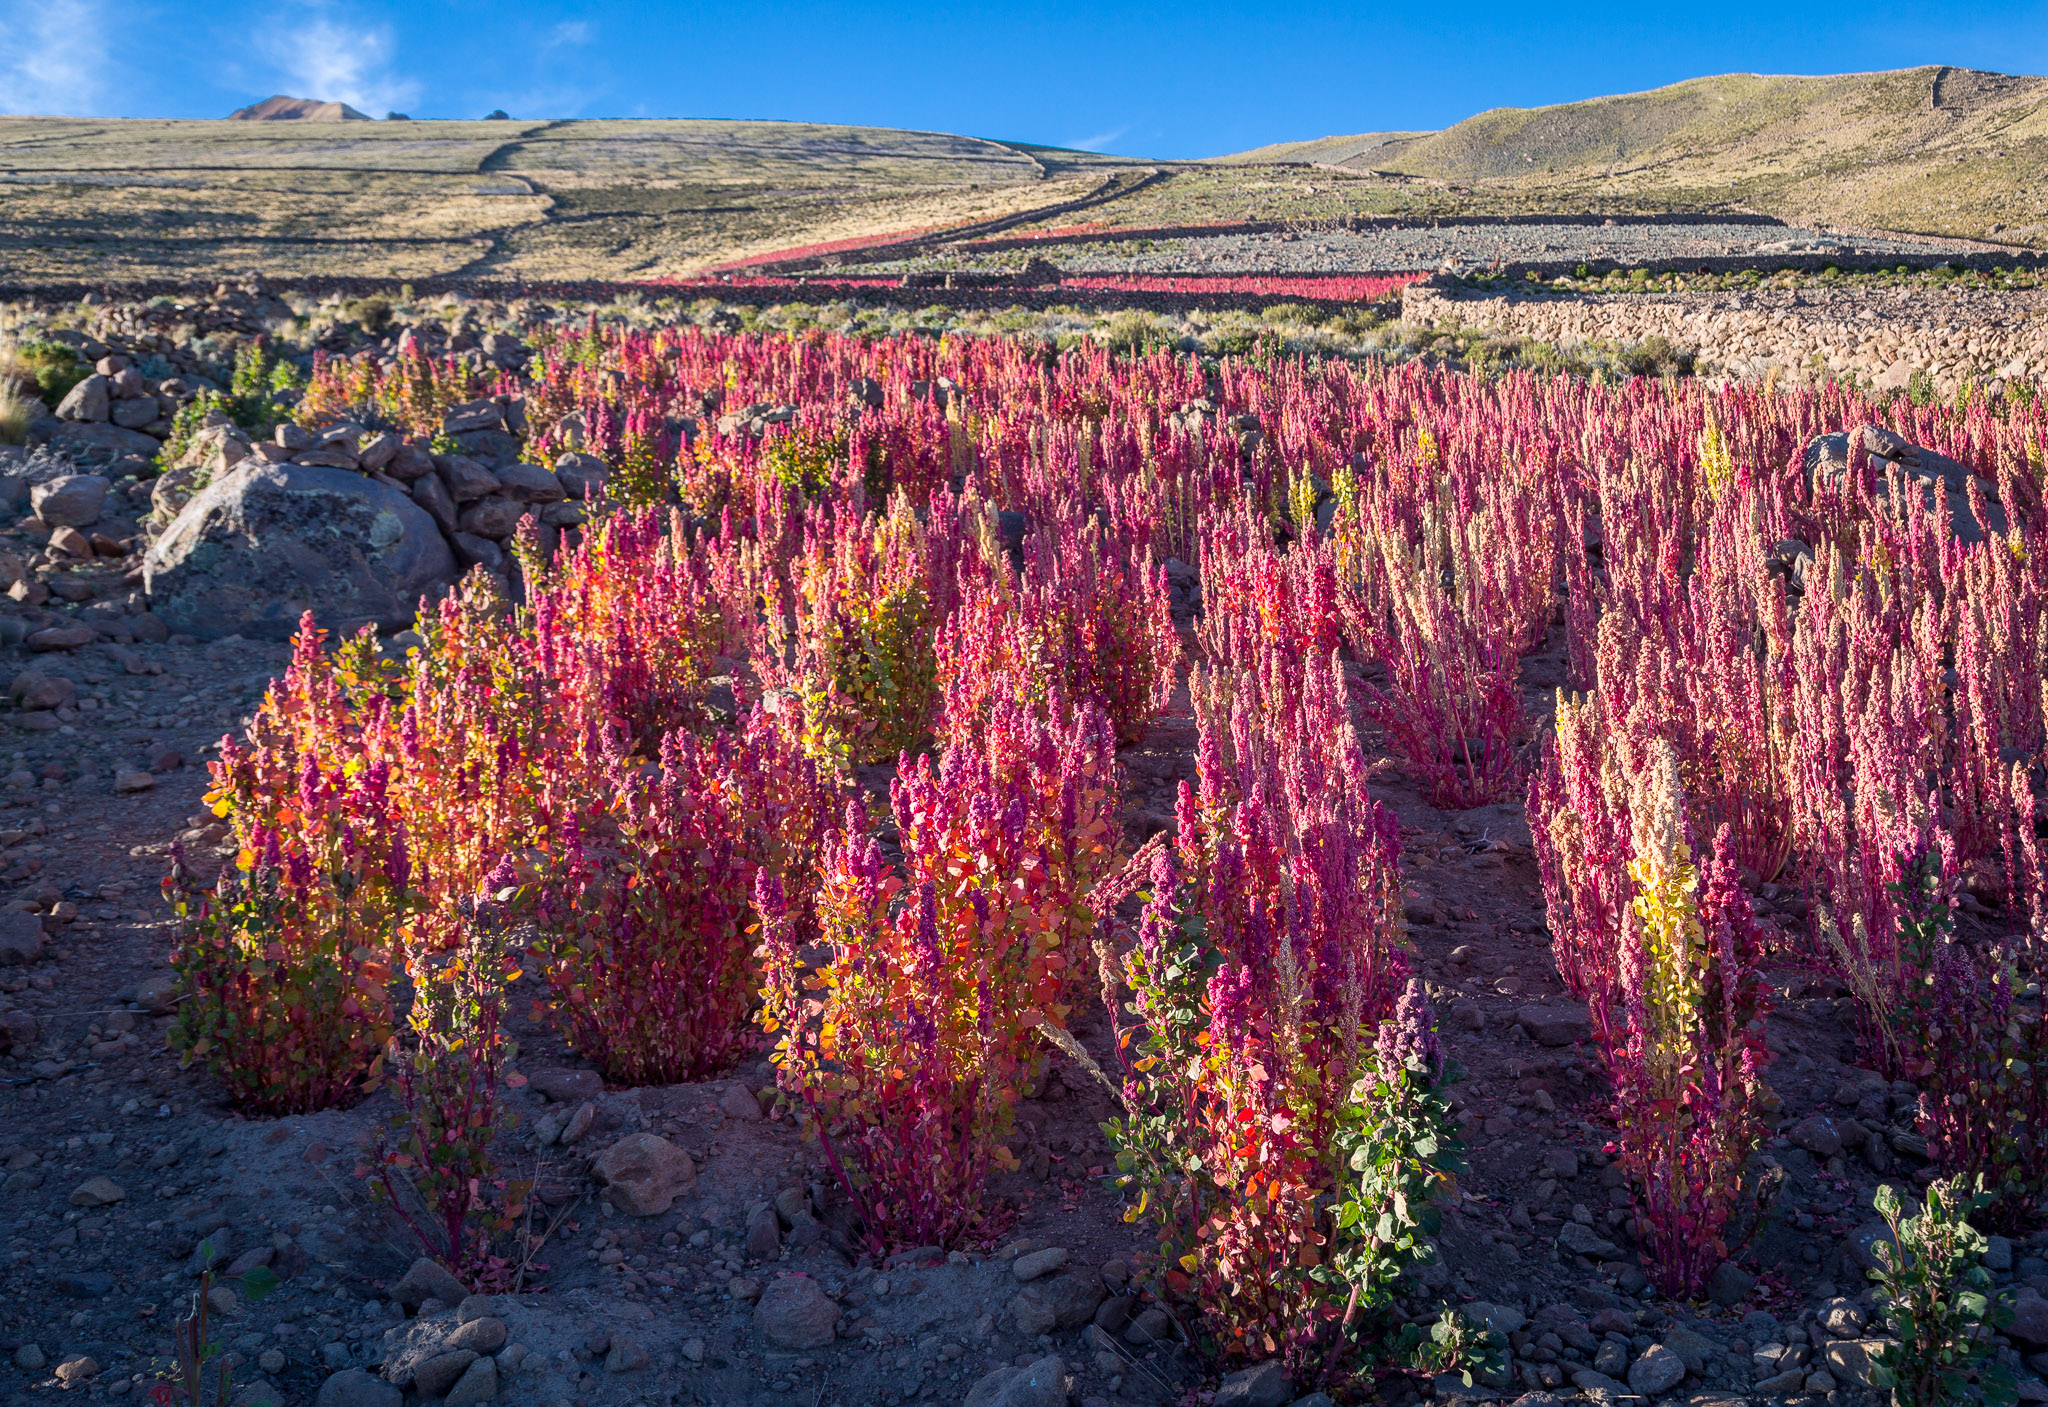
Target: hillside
1930, 150
90, 200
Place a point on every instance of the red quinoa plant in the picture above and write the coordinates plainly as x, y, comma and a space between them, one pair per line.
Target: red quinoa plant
447, 1078
1267, 959
286, 960
910, 1045
644, 914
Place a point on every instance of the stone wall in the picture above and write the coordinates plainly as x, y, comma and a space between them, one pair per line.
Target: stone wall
1877, 337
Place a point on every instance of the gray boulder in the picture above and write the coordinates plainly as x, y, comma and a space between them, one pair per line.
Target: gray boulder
529, 483
494, 517
466, 479
643, 1174
21, 939
1928, 475
583, 475
69, 501
1042, 1384
353, 1387
1057, 1302
1261, 1385
267, 542
430, 491
87, 401
92, 442
1658, 1371
795, 1313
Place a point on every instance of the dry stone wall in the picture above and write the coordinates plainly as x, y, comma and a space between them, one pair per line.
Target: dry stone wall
1877, 337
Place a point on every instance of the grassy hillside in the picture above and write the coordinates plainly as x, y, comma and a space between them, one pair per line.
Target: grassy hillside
1929, 150
92, 200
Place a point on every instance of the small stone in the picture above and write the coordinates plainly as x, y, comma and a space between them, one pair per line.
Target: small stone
36, 688
1037, 1263
271, 1360
693, 1350
1061, 1302
1555, 1025
736, 1101
1730, 1284
795, 1313
1818, 1135
428, 1279
77, 1369
1997, 1253
1598, 1386
476, 1307
353, 1387
764, 1233
436, 1375
29, 1357
1582, 1241
742, 1287
1452, 1387
70, 500
579, 1123
1261, 1385
1560, 1162
486, 1335
642, 1174
21, 939
133, 779
1152, 1326
530, 483
1849, 1360
1820, 1382
627, 1356
2029, 1327
61, 637
1502, 1319
221, 1299
478, 1383
1692, 1349
97, 1192
1043, 1383
1784, 1384
1656, 1372
1841, 1318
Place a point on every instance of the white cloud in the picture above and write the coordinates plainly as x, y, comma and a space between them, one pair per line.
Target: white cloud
1097, 142
53, 55
568, 32
322, 58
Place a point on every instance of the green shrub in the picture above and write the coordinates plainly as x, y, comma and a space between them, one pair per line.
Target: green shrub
804, 459
1937, 1299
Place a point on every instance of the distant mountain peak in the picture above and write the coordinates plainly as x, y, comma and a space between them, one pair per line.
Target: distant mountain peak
283, 109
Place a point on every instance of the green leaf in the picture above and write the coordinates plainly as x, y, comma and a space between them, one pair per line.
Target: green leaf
259, 1282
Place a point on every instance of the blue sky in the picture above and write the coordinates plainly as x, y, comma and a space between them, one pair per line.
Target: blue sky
1146, 78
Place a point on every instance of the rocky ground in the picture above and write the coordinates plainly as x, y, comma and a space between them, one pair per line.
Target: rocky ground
1449, 243
722, 1275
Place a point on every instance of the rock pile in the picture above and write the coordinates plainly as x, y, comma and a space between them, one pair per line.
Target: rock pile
116, 417
351, 522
